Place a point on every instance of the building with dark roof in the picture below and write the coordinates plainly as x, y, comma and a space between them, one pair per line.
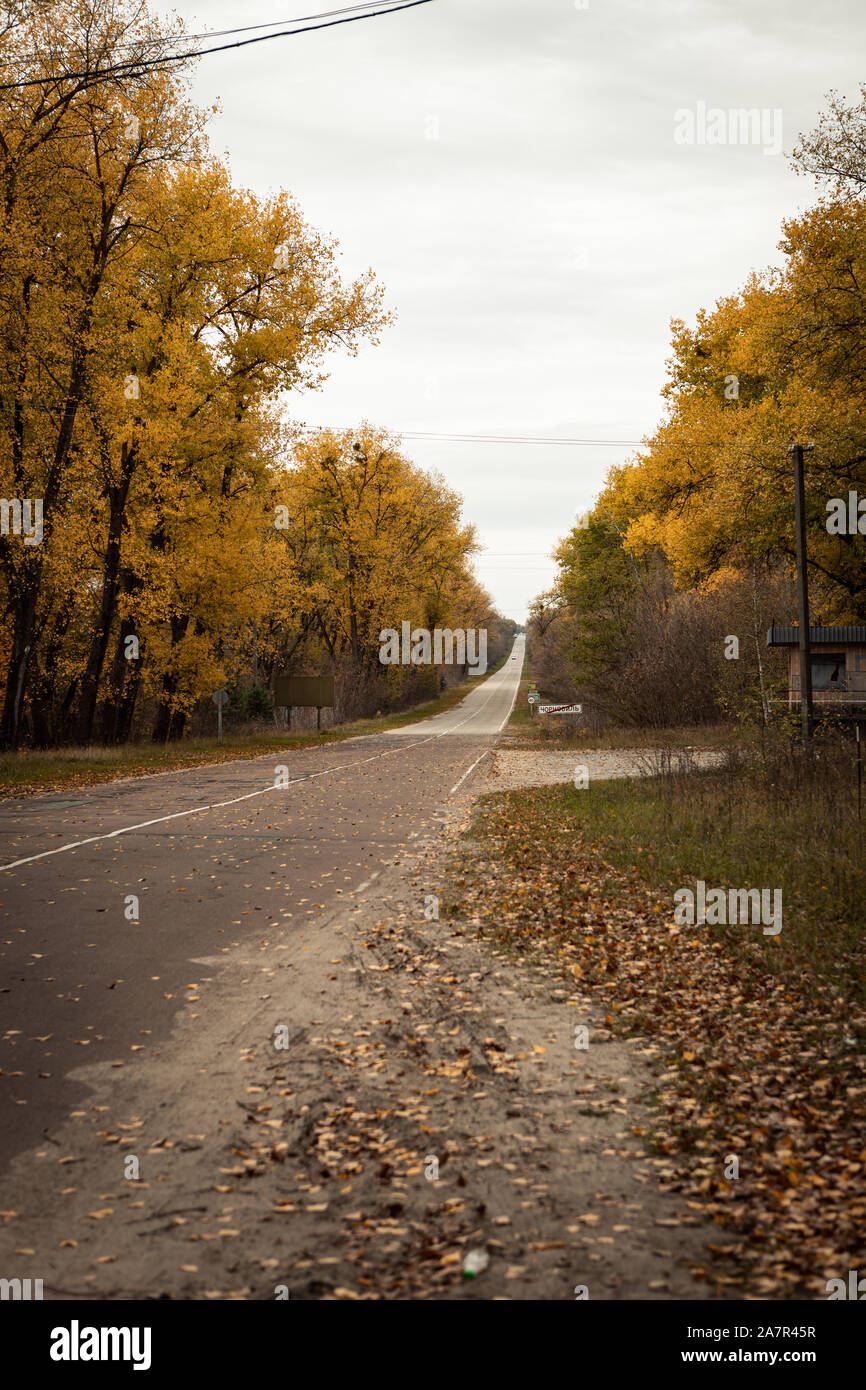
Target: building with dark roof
838, 667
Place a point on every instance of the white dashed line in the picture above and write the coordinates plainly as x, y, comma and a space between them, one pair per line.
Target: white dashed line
248, 796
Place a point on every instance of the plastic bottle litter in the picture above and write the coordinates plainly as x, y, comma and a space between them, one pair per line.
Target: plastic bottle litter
475, 1263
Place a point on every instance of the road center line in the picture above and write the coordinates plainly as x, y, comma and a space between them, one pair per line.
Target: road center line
488, 750
248, 796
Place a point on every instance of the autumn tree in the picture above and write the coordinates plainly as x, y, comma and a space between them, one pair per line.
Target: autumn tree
74, 152
153, 316
372, 541
694, 537
783, 361
155, 321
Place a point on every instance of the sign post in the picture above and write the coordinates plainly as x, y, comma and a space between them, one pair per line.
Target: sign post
796, 452
560, 709
317, 691
220, 698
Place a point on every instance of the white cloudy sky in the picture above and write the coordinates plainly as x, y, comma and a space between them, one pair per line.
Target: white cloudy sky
537, 249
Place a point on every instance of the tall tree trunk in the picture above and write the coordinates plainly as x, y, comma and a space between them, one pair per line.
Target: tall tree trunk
23, 601
168, 725
24, 594
329, 641
117, 496
124, 681
353, 613
45, 719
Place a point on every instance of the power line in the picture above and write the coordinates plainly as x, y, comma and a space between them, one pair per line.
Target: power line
566, 441
145, 63
515, 439
486, 438
559, 440
20, 58
650, 444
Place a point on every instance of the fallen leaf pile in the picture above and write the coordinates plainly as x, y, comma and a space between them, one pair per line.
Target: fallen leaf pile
753, 1064
363, 1171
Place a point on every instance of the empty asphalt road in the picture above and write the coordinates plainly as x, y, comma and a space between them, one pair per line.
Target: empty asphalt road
112, 900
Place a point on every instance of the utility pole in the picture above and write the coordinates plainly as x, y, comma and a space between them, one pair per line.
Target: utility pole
796, 452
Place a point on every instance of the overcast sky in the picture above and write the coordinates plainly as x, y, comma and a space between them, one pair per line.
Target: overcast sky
509, 169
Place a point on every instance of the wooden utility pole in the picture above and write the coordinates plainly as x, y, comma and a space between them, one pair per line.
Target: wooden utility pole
796, 452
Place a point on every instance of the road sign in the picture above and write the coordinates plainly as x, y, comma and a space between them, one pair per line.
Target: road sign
220, 698
533, 697
304, 690
560, 709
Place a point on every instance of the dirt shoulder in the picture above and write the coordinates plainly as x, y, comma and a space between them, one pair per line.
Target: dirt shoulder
307, 1171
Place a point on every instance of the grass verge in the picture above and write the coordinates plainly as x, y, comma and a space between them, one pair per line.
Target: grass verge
759, 1040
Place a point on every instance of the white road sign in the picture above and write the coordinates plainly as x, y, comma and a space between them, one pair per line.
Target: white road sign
560, 709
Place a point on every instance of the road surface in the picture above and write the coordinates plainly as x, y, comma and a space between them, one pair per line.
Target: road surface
290, 1076
212, 855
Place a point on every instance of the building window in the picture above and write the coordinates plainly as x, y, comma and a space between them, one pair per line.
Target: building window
828, 670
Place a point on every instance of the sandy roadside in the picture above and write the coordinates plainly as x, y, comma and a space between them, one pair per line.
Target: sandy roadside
544, 767
308, 1171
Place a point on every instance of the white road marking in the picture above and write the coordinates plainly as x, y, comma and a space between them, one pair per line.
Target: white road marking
468, 770
248, 796
365, 884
